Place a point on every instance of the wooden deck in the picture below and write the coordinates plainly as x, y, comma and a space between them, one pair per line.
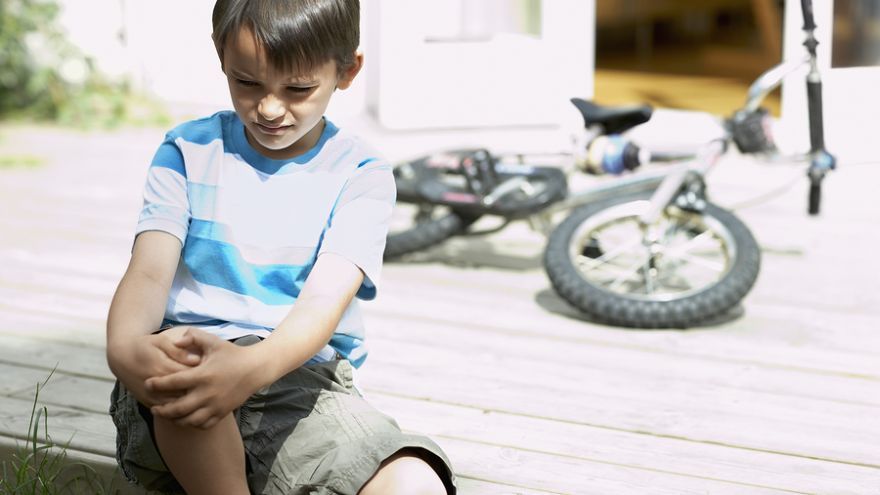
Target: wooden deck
470, 345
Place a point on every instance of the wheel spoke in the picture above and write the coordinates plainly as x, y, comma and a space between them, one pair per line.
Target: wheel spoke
605, 267
610, 255
604, 263
646, 269
683, 252
701, 262
625, 276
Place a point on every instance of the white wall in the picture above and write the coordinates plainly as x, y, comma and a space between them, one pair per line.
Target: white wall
433, 73
169, 52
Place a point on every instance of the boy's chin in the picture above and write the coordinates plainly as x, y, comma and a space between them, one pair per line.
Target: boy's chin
275, 143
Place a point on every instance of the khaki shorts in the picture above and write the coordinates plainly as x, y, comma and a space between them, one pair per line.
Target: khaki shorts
310, 432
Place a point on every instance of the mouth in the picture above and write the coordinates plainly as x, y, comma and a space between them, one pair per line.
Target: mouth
273, 130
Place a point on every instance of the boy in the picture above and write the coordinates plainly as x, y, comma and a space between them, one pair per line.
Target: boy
235, 328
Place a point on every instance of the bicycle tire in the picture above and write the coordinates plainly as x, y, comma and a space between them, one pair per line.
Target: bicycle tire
426, 233
625, 305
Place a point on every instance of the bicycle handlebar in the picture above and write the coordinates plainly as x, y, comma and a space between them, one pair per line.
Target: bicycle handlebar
807, 9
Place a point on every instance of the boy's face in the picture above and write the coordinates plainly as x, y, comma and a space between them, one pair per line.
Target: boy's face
281, 110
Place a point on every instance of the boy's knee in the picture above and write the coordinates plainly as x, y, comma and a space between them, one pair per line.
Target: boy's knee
404, 474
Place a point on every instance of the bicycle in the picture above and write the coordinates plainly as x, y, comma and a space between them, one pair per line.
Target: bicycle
648, 250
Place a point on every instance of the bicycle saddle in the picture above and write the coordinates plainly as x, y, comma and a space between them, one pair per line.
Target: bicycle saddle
614, 120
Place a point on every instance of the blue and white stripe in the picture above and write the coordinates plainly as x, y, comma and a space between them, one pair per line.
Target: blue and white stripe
252, 227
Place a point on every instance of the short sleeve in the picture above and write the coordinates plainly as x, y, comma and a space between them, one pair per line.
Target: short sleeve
166, 206
359, 223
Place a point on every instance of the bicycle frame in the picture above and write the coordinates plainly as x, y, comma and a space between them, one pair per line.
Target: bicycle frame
684, 184
668, 184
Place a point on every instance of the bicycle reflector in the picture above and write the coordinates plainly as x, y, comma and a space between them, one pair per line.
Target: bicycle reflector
612, 154
751, 131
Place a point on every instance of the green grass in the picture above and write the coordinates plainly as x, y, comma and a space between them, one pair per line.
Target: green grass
41, 467
21, 161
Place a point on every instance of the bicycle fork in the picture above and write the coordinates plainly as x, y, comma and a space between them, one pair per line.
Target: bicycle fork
684, 188
821, 161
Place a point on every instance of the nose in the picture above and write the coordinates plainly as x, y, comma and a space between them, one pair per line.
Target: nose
271, 107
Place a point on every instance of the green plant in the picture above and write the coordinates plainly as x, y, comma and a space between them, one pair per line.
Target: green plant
41, 467
44, 77
21, 161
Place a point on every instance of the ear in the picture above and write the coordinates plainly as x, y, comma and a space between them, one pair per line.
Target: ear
348, 76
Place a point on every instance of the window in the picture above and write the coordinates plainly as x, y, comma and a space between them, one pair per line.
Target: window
464, 20
856, 35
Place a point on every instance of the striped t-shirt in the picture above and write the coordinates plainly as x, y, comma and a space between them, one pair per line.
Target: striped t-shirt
253, 227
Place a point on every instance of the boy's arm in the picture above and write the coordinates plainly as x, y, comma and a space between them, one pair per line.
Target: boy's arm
133, 352
308, 327
228, 374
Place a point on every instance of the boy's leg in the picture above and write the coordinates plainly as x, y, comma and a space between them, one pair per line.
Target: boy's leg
312, 432
404, 473
204, 461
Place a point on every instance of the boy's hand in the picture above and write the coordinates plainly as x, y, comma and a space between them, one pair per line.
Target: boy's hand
225, 377
153, 355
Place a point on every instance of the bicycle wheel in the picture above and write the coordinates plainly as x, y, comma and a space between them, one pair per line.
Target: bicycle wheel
415, 227
681, 271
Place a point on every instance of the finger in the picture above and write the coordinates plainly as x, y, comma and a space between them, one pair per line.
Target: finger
211, 422
201, 418
161, 399
184, 340
179, 353
178, 409
151, 399
176, 382
201, 338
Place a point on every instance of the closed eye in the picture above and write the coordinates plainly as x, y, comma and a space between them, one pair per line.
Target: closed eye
246, 83
301, 90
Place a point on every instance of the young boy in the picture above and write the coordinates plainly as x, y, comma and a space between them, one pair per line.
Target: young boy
235, 329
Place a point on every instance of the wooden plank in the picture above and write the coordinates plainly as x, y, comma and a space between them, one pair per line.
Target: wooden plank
64, 305
60, 285
93, 433
20, 380
42, 326
745, 341
635, 389
83, 431
565, 475
39, 205
73, 390
29, 189
78, 393
727, 416
87, 263
469, 486
631, 384
43, 355
104, 464
624, 361
625, 448
492, 468
24, 229
825, 267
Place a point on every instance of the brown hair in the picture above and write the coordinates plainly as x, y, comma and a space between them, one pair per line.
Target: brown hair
294, 33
